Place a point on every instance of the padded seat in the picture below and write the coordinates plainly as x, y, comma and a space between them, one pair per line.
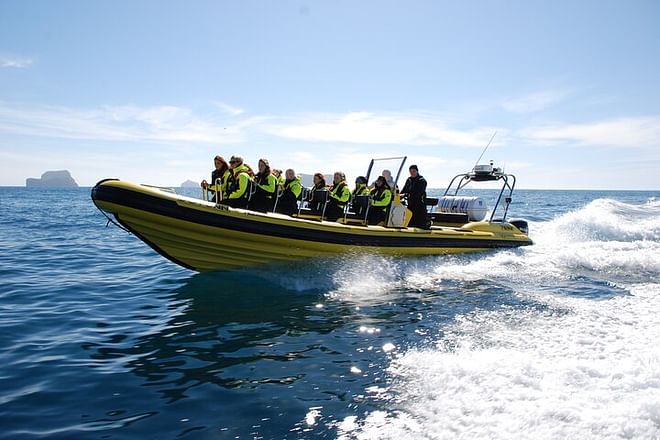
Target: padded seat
431, 201
445, 217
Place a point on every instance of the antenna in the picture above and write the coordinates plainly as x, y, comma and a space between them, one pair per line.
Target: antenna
487, 145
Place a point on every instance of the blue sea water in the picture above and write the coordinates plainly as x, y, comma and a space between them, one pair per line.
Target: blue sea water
103, 338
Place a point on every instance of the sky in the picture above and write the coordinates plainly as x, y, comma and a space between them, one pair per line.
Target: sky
150, 91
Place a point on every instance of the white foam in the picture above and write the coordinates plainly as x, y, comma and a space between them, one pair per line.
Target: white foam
591, 373
366, 279
605, 236
606, 219
577, 368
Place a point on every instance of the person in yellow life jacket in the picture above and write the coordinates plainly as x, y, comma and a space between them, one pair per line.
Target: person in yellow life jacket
381, 198
266, 188
238, 184
338, 197
219, 178
359, 201
288, 201
279, 176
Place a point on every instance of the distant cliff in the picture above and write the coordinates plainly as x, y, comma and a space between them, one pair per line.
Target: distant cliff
189, 184
52, 179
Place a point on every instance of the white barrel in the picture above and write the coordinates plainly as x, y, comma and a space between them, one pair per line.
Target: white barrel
474, 207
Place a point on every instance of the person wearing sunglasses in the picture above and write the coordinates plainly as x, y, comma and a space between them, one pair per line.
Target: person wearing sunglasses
238, 184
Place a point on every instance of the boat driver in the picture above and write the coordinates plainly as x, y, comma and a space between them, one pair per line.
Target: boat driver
415, 192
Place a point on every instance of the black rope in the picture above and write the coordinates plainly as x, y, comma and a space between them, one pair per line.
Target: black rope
112, 221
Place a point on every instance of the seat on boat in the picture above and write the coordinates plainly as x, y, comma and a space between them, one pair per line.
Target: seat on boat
430, 201
445, 218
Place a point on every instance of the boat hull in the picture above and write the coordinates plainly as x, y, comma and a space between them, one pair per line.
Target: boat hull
201, 236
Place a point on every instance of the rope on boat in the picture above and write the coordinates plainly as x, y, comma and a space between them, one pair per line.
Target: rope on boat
110, 220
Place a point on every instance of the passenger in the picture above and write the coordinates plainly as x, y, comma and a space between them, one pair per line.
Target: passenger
288, 201
387, 174
238, 184
338, 197
360, 187
248, 170
266, 188
279, 176
315, 201
359, 204
219, 178
381, 198
415, 192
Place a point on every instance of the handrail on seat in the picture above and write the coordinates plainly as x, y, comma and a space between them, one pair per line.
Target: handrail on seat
326, 194
305, 196
278, 193
363, 205
251, 189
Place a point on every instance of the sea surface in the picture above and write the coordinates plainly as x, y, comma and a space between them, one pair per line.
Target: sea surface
102, 338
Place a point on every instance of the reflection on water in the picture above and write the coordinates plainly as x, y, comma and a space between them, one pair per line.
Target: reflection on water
230, 331
260, 353
263, 354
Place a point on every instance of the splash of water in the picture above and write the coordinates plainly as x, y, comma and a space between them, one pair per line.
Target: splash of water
575, 368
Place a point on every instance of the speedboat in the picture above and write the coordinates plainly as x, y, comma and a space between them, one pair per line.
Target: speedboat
202, 235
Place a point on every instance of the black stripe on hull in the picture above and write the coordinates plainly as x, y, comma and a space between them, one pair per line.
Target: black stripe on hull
169, 208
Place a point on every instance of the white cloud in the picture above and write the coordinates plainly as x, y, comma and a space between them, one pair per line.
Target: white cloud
636, 132
122, 123
354, 161
15, 61
371, 128
168, 144
229, 109
535, 102
174, 124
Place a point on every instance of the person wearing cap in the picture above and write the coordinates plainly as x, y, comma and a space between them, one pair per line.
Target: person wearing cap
360, 187
358, 200
291, 190
338, 197
381, 198
266, 188
219, 178
415, 192
238, 184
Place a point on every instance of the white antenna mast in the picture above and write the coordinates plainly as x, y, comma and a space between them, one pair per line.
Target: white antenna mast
488, 145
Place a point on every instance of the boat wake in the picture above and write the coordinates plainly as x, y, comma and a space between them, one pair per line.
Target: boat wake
582, 362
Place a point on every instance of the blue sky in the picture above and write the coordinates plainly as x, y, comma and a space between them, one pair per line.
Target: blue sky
150, 91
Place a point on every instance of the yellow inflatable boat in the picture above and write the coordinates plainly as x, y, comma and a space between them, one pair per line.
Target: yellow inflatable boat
205, 236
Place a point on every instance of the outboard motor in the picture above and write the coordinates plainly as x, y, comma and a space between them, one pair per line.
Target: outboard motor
474, 207
520, 224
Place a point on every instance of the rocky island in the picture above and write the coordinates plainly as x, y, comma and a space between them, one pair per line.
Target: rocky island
189, 184
52, 179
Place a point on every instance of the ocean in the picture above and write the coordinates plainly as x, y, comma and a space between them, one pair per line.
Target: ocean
102, 338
